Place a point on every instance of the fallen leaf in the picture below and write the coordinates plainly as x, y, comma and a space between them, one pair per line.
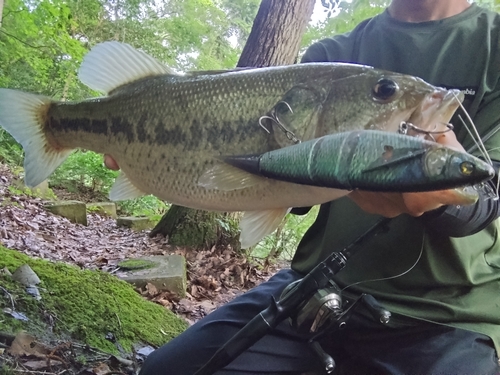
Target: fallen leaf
25, 344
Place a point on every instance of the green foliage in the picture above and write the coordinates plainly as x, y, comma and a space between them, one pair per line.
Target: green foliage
283, 242
6, 370
345, 15
88, 304
42, 44
11, 152
20, 189
493, 5
36, 51
148, 206
83, 168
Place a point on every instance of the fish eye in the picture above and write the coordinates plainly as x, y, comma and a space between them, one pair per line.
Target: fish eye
467, 168
384, 89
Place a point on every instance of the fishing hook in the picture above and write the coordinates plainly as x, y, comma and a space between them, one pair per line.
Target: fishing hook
274, 118
405, 127
262, 125
289, 134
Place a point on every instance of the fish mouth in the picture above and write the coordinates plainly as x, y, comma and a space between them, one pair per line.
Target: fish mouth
435, 112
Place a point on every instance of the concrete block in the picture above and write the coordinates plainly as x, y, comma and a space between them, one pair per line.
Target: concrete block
135, 223
74, 211
165, 272
103, 208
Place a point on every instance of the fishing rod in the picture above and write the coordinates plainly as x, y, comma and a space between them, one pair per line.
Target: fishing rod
291, 300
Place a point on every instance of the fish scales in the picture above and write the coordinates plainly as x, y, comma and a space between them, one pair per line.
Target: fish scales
133, 128
168, 132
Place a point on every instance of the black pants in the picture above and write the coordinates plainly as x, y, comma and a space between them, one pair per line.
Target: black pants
422, 349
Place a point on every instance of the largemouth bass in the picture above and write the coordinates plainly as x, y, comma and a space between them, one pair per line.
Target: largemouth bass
165, 130
367, 159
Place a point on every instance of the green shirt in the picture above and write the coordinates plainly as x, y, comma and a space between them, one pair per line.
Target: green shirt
457, 280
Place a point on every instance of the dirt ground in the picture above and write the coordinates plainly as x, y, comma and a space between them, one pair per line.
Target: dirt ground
215, 275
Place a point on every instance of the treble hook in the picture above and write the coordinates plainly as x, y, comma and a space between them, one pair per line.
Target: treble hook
262, 125
274, 118
289, 134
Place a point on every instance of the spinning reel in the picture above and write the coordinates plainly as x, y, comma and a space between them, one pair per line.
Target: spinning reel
314, 305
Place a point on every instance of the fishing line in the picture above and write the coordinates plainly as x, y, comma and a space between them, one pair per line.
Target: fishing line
490, 134
479, 143
395, 276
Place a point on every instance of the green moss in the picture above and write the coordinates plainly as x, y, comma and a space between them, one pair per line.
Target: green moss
136, 264
93, 209
6, 370
89, 305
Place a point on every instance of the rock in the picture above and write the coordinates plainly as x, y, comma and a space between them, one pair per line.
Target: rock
103, 208
42, 190
26, 276
136, 223
167, 273
74, 211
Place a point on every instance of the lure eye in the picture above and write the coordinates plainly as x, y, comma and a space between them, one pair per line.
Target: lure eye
467, 168
384, 89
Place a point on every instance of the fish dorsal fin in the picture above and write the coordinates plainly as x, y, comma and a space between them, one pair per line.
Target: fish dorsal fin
225, 177
255, 225
124, 189
110, 65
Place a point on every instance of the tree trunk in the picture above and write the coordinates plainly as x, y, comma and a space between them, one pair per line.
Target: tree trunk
274, 40
276, 33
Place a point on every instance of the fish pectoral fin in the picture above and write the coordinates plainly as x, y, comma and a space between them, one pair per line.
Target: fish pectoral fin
255, 225
225, 177
124, 189
23, 115
110, 65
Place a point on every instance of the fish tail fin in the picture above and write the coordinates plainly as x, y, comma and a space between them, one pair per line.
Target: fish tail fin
23, 116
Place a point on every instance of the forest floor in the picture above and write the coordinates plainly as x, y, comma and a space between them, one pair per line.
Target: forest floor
215, 275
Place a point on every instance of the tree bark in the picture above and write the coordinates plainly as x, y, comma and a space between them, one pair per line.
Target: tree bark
274, 40
276, 33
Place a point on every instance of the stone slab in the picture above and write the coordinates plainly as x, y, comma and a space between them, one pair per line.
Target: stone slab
168, 273
103, 208
135, 223
42, 190
74, 211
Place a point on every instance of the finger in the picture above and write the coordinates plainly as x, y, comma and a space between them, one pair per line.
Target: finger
418, 203
449, 139
111, 163
377, 203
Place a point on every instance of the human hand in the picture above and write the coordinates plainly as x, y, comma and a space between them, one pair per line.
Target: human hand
110, 163
414, 204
